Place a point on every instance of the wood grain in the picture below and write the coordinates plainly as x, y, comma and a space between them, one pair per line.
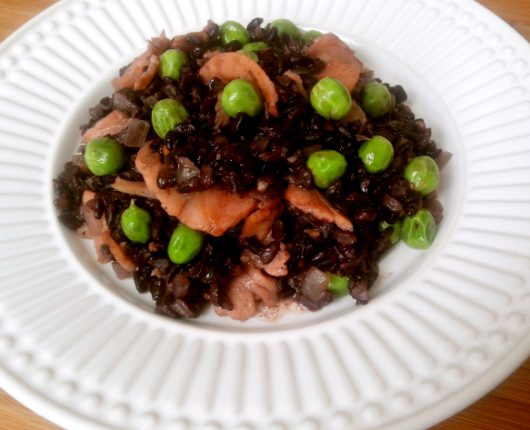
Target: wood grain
507, 407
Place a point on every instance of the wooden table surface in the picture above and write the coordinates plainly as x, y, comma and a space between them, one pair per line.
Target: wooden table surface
507, 407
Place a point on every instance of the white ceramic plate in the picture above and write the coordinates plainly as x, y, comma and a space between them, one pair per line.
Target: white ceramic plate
444, 326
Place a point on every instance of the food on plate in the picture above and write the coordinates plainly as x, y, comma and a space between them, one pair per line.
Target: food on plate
326, 166
104, 156
376, 99
136, 224
231, 31
419, 230
286, 28
241, 97
245, 167
330, 98
423, 174
166, 115
171, 61
184, 244
376, 154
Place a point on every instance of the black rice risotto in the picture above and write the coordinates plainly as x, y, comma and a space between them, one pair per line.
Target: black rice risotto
268, 234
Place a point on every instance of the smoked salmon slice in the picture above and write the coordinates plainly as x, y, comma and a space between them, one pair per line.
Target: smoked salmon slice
99, 231
340, 60
113, 123
259, 223
212, 211
277, 267
133, 188
315, 204
247, 288
228, 66
139, 74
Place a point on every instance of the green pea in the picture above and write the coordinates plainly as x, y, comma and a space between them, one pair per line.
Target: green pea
423, 174
396, 230
330, 99
104, 156
184, 245
376, 154
167, 114
309, 36
232, 30
241, 96
136, 224
250, 54
326, 167
171, 62
250, 50
419, 230
338, 285
255, 46
287, 28
376, 99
